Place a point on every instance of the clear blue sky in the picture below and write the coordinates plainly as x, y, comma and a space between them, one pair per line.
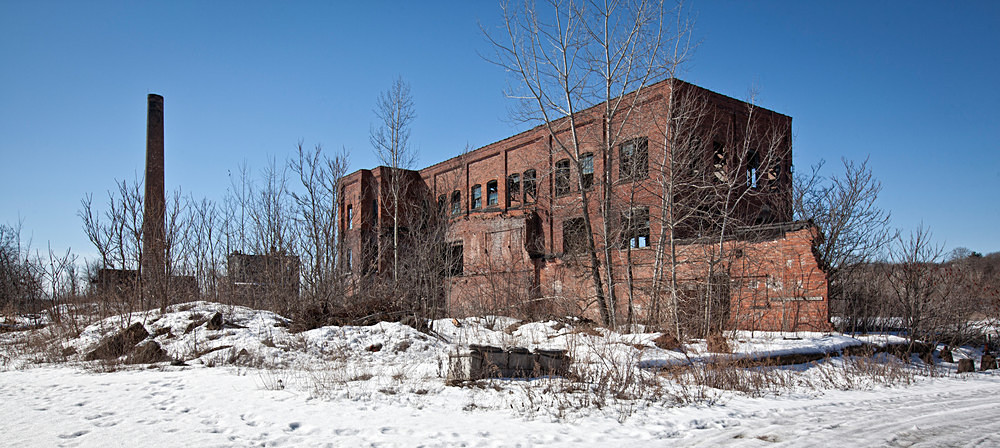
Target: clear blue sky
913, 85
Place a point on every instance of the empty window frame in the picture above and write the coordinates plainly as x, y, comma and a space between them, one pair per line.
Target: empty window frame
719, 162
635, 228
476, 197
456, 202
633, 159
350, 217
587, 170
693, 157
574, 236
753, 169
513, 188
562, 177
530, 187
492, 194
454, 259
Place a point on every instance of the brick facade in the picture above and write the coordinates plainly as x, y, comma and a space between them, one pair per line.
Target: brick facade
513, 206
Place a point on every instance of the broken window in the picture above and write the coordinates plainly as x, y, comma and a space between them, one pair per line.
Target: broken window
587, 170
633, 159
513, 188
350, 217
574, 236
530, 191
562, 177
753, 169
694, 158
477, 197
456, 202
719, 161
635, 227
492, 194
454, 259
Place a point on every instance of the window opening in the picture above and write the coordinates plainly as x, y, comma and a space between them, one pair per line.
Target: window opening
492, 194
456, 202
753, 169
587, 168
477, 197
634, 159
350, 217
719, 161
562, 177
454, 259
513, 188
530, 190
574, 236
635, 225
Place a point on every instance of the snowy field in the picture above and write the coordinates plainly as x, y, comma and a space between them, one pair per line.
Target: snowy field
252, 383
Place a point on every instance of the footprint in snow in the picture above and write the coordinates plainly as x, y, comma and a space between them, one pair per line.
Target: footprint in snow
73, 435
293, 426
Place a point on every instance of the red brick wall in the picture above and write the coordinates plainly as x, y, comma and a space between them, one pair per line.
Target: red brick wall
493, 236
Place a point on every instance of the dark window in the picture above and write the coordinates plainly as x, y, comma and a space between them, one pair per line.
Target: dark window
456, 202
753, 169
635, 227
587, 168
530, 191
350, 217
694, 158
442, 201
375, 212
634, 159
562, 177
454, 259
492, 195
513, 188
574, 236
350, 259
477, 197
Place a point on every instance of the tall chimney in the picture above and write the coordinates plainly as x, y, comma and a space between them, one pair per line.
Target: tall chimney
153, 224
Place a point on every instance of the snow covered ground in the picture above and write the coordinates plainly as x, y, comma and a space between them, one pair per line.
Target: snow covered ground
252, 383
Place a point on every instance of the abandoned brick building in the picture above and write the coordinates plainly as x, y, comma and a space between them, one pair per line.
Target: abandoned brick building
514, 215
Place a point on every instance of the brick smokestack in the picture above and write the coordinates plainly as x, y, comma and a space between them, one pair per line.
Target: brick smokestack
153, 223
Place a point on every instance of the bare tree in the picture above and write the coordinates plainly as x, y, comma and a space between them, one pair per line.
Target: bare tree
20, 277
568, 57
118, 239
391, 140
55, 274
918, 285
855, 229
316, 216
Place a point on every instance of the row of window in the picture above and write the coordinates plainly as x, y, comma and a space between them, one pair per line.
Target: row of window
634, 164
635, 231
522, 187
519, 189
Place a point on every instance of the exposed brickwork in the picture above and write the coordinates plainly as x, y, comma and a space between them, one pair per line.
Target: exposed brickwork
514, 251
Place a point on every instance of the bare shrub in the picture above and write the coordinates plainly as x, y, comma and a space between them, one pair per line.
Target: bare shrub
717, 343
667, 341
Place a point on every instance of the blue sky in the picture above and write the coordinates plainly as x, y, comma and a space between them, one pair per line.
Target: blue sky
912, 85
